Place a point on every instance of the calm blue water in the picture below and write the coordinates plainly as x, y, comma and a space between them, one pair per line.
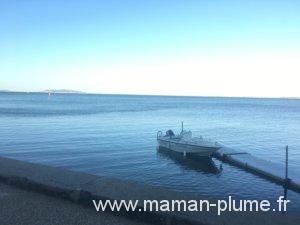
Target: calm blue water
115, 135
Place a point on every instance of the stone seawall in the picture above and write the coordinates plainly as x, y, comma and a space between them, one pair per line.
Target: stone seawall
82, 188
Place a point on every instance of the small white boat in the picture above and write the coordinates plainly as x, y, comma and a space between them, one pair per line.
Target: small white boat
185, 143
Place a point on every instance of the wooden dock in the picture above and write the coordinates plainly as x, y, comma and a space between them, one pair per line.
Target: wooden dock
264, 168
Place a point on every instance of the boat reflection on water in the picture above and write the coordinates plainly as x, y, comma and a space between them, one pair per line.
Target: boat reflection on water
190, 161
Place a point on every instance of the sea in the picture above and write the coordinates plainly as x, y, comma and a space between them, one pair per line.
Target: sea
115, 136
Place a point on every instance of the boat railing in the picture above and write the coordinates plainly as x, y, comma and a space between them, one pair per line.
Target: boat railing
159, 134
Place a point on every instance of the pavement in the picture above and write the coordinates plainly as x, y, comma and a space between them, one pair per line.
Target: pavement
21, 207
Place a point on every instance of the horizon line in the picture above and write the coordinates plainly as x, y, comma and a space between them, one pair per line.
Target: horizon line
53, 91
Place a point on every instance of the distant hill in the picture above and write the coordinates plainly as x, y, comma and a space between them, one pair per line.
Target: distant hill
63, 91
5, 91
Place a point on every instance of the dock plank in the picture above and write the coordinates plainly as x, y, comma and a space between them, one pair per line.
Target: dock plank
259, 166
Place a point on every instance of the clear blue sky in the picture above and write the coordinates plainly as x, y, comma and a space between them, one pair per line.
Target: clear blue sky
193, 47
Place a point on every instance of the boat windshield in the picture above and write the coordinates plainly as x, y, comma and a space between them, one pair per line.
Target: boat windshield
186, 135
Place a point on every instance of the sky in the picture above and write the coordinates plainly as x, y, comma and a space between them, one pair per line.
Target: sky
159, 47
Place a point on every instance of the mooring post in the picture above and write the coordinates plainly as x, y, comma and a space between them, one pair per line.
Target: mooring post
181, 126
286, 162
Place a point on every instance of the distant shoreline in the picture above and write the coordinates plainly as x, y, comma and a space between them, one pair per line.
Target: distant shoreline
146, 95
63, 91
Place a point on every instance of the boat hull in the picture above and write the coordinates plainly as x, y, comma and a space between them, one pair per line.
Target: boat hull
186, 148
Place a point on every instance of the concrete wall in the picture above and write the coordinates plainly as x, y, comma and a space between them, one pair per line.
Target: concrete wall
82, 188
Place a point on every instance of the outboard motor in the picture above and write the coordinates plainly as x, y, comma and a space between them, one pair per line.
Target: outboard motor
170, 133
